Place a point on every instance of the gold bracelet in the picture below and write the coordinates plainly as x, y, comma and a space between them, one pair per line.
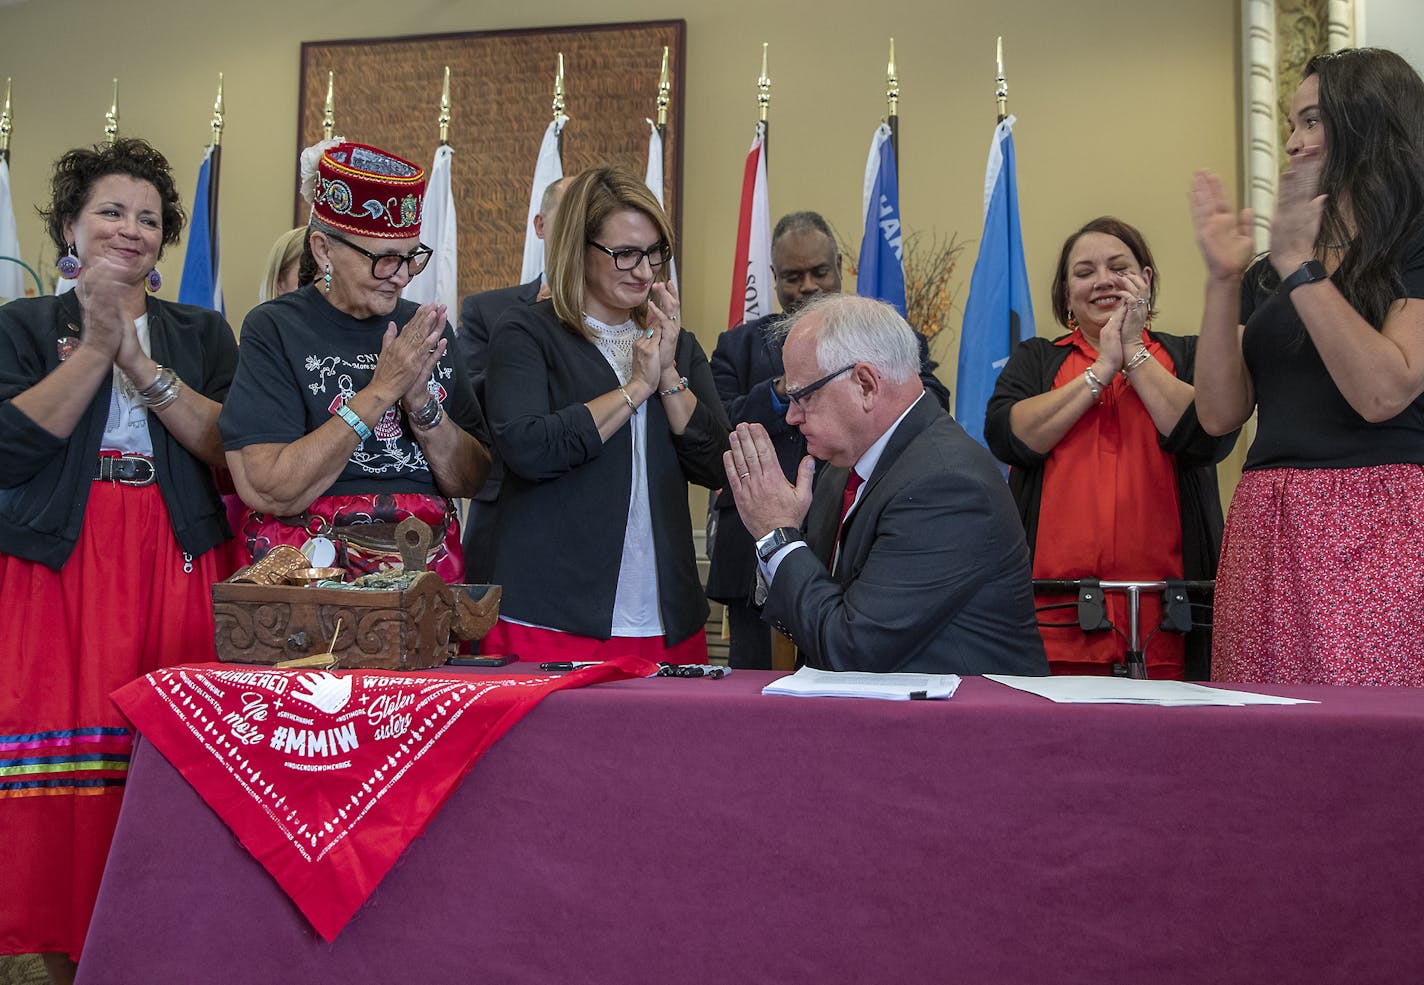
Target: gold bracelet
631, 406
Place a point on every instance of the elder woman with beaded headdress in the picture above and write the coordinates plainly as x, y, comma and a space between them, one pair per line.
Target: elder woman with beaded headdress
603, 410
347, 410
108, 520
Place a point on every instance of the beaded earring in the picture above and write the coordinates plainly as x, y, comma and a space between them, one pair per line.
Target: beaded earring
326, 279
155, 280
1072, 322
68, 265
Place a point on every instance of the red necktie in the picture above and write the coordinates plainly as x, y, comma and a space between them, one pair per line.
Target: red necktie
853, 482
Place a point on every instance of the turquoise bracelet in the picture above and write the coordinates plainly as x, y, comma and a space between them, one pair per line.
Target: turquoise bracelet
349, 416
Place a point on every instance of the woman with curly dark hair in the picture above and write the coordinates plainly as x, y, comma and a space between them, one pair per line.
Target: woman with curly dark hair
1321, 573
108, 520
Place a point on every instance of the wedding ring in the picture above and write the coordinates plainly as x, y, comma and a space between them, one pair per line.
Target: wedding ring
1141, 302
743, 475
434, 347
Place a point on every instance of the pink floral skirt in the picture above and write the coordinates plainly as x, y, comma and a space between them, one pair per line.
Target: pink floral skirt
1322, 578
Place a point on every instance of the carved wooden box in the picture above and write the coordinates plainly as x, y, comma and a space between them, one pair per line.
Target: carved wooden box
401, 629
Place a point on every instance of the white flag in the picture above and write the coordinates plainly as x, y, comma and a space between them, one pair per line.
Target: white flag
654, 180
12, 275
439, 282
547, 170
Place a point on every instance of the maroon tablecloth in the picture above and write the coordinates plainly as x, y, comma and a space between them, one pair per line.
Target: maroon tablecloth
685, 831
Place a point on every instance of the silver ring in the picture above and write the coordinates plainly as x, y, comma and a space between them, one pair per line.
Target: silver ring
743, 475
433, 348
1142, 301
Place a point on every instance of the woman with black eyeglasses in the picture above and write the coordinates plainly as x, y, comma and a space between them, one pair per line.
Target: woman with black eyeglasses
603, 409
346, 410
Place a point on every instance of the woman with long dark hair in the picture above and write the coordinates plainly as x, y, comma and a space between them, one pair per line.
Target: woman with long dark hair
1322, 575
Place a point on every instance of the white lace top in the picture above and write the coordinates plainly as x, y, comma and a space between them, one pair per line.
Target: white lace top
635, 606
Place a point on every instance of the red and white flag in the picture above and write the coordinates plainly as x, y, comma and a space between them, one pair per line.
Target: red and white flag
751, 270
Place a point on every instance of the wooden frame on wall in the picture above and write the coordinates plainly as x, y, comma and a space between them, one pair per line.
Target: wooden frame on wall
387, 94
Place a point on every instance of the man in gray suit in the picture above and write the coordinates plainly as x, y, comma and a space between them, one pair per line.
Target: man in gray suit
912, 557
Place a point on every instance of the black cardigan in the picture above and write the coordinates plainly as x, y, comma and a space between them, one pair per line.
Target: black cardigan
44, 486
563, 508
1030, 372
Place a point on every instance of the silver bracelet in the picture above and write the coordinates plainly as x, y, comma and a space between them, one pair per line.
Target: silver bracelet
629, 400
1094, 384
428, 416
678, 388
162, 391
1138, 358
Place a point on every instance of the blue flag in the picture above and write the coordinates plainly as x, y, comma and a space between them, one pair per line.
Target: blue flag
201, 284
881, 271
998, 313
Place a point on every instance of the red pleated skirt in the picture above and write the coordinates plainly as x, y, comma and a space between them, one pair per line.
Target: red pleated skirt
127, 602
1322, 578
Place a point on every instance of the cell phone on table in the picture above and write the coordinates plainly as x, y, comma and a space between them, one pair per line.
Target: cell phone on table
492, 660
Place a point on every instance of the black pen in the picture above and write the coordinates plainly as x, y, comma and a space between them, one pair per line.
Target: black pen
569, 664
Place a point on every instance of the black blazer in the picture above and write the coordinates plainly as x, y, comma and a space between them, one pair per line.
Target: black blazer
563, 509
934, 573
479, 313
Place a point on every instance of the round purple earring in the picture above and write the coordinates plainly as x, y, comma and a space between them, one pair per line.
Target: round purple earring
68, 265
155, 280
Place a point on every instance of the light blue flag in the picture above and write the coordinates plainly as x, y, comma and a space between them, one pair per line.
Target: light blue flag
881, 272
998, 313
201, 284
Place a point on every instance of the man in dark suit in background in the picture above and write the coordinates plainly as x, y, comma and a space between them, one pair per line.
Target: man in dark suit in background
478, 315
746, 366
912, 557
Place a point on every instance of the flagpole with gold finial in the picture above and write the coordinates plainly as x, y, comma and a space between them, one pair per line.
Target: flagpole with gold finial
763, 105
328, 113
664, 96
5, 126
559, 101
444, 118
1001, 84
111, 118
892, 99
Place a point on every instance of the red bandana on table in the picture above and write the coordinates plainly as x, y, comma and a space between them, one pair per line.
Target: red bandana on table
326, 777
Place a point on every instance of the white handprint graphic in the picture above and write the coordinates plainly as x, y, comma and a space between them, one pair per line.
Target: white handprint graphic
327, 692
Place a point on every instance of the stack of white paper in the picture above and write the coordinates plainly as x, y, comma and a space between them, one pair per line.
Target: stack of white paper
1125, 691
810, 683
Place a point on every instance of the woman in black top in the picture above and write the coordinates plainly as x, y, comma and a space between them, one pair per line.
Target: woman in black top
1321, 574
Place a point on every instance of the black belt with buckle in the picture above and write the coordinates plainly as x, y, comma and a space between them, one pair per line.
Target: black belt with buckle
130, 470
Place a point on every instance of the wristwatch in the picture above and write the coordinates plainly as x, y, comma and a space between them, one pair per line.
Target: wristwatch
767, 546
1308, 273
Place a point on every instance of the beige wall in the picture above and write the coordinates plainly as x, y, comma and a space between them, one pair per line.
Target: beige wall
1116, 107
